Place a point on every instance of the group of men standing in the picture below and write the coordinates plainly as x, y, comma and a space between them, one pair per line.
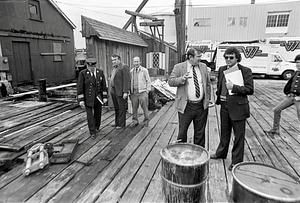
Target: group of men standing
91, 89
192, 101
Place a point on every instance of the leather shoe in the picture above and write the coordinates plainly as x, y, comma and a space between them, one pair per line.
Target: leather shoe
214, 156
93, 136
134, 125
273, 133
230, 167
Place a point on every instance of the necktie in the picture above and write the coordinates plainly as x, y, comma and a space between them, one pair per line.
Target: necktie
197, 87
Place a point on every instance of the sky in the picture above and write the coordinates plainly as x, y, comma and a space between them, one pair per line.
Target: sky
113, 11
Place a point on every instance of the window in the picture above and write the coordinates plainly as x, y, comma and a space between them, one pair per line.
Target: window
277, 22
202, 22
231, 21
276, 58
57, 50
283, 20
243, 21
278, 19
34, 10
271, 21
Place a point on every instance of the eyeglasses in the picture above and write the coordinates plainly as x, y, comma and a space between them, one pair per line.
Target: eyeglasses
229, 57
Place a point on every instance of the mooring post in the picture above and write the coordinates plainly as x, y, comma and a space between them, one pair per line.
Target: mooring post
42, 90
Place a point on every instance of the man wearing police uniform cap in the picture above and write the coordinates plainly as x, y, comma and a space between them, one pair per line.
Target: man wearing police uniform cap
91, 88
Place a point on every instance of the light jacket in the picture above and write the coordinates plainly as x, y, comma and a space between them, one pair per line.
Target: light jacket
144, 81
175, 80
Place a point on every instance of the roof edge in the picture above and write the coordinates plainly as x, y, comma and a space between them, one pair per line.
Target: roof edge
62, 13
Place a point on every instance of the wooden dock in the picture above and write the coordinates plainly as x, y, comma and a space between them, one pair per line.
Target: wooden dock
125, 164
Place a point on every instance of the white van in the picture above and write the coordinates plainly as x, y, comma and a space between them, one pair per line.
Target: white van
259, 59
207, 47
288, 47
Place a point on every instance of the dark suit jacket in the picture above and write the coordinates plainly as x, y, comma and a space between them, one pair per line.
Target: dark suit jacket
88, 87
122, 80
238, 104
288, 87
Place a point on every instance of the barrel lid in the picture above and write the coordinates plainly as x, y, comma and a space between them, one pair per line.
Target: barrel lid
267, 181
185, 154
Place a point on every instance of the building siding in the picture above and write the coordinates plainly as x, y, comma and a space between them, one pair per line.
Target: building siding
16, 26
256, 21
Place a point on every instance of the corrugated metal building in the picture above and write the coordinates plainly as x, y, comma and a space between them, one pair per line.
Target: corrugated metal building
37, 37
244, 22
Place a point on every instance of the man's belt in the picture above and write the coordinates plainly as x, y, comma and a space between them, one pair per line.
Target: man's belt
195, 102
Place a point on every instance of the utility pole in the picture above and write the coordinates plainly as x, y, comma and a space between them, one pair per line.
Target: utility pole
179, 11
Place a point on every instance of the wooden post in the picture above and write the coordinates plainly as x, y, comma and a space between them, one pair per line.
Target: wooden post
179, 12
42, 90
137, 10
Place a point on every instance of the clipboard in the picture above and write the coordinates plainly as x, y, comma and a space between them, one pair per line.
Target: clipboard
235, 76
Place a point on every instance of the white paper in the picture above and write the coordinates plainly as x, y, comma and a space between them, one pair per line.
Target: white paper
235, 77
101, 102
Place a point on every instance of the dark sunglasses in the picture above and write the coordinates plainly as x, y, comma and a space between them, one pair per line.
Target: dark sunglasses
229, 57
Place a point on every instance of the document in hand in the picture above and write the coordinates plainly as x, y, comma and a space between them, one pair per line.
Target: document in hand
235, 76
100, 100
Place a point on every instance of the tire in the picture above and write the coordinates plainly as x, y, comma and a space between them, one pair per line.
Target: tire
287, 74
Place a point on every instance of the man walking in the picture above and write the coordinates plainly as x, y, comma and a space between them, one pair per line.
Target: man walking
292, 92
192, 97
234, 107
91, 87
120, 85
140, 86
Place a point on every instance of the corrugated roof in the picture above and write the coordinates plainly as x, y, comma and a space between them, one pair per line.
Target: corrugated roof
109, 32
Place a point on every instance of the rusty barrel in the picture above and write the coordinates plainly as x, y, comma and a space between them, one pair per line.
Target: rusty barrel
184, 170
256, 182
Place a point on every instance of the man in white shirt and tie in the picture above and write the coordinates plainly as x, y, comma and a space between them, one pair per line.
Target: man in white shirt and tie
192, 97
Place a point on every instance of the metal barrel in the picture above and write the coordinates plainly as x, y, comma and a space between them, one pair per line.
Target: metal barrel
184, 171
257, 182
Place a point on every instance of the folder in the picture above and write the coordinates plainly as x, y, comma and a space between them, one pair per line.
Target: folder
100, 100
235, 76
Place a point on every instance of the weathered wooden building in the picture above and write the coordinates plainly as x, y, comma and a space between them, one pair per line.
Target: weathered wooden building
103, 40
37, 37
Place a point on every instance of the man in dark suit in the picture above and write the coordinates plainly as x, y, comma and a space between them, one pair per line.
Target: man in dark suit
192, 97
120, 86
234, 107
91, 87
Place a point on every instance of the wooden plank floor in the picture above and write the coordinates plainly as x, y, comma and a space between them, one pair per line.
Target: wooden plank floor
126, 163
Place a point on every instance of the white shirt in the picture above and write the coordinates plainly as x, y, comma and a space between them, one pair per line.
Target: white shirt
191, 90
